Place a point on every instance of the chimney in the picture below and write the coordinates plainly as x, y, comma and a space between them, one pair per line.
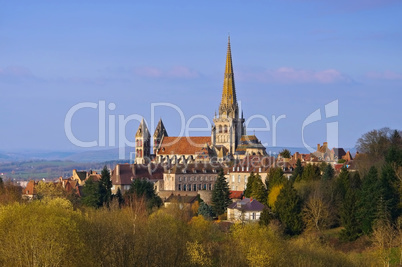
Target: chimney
318, 147
118, 173
325, 145
251, 199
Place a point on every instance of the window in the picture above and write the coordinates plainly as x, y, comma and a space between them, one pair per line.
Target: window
204, 186
233, 187
189, 187
199, 186
201, 178
234, 168
184, 187
184, 180
210, 186
179, 187
179, 179
253, 216
247, 168
233, 178
259, 170
239, 179
242, 169
195, 187
245, 178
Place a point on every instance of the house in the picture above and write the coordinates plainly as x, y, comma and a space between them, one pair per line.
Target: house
29, 192
245, 210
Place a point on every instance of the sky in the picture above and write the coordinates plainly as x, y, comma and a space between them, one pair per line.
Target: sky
306, 71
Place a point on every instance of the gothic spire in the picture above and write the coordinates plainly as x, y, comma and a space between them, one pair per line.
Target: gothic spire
228, 106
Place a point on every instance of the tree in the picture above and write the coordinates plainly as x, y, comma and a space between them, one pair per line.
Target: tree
205, 210
316, 212
329, 172
369, 197
220, 194
273, 196
141, 188
249, 186
275, 177
259, 191
298, 172
348, 214
91, 196
311, 172
105, 186
119, 197
285, 154
288, 207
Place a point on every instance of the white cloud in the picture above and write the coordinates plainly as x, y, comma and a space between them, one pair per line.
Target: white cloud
288, 75
385, 75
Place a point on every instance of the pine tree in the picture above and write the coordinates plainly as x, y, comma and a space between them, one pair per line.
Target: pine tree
329, 172
91, 196
298, 172
220, 195
205, 210
249, 186
105, 186
259, 191
119, 197
275, 177
311, 172
288, 207
369, 197
349, 217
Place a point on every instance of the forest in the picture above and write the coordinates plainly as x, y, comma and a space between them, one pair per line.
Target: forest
316, 218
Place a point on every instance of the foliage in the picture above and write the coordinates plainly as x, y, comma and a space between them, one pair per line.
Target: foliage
311, 172
259, 191
285, 153
275, 177
91, 196
249, 186
368, 199
329, 172
105, 186
50, 190
220, 194
298, 171
141, 188
288, 206
205, 210
119, 197
10, 193
273, 195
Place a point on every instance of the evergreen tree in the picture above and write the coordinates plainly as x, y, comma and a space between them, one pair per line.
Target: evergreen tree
249, 186
205, 210
329, 172
285, 153
91, 196
349, 218
389, 191
259, 191
105, 186
1, 183
275, 177
288, 207
220, 195
298, 171
350, 208
311, 172
119, 197
369, 197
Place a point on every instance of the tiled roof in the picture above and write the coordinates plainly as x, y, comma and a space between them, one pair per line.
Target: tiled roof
30, 189
183, 145
181, 199
236, 194
247, 204
129, 172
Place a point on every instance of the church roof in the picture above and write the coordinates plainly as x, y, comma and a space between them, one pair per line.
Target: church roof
185, 145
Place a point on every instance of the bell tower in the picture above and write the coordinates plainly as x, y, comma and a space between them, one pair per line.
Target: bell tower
142, 144
228, 126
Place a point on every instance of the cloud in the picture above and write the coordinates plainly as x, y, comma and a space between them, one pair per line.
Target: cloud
174, 72
15, 74
386, 75
286, 75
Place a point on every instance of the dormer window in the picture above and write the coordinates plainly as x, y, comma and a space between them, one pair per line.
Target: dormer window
242, 169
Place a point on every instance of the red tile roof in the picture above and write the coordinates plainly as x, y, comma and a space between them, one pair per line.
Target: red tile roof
236, 194
183, 145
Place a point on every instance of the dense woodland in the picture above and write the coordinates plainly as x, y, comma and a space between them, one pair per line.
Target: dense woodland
317, 218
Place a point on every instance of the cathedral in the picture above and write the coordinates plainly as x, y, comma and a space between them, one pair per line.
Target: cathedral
228, 140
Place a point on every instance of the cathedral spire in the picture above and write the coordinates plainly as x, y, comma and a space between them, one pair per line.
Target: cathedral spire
228, 106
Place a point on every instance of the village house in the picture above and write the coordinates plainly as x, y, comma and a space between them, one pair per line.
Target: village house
245, 210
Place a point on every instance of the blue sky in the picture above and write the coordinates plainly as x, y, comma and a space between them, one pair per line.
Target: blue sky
290, 58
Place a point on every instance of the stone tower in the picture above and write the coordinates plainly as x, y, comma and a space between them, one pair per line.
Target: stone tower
228, 127
142, 144
159, 133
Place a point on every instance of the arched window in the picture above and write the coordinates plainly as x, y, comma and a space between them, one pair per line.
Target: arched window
220, 129
225, 129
